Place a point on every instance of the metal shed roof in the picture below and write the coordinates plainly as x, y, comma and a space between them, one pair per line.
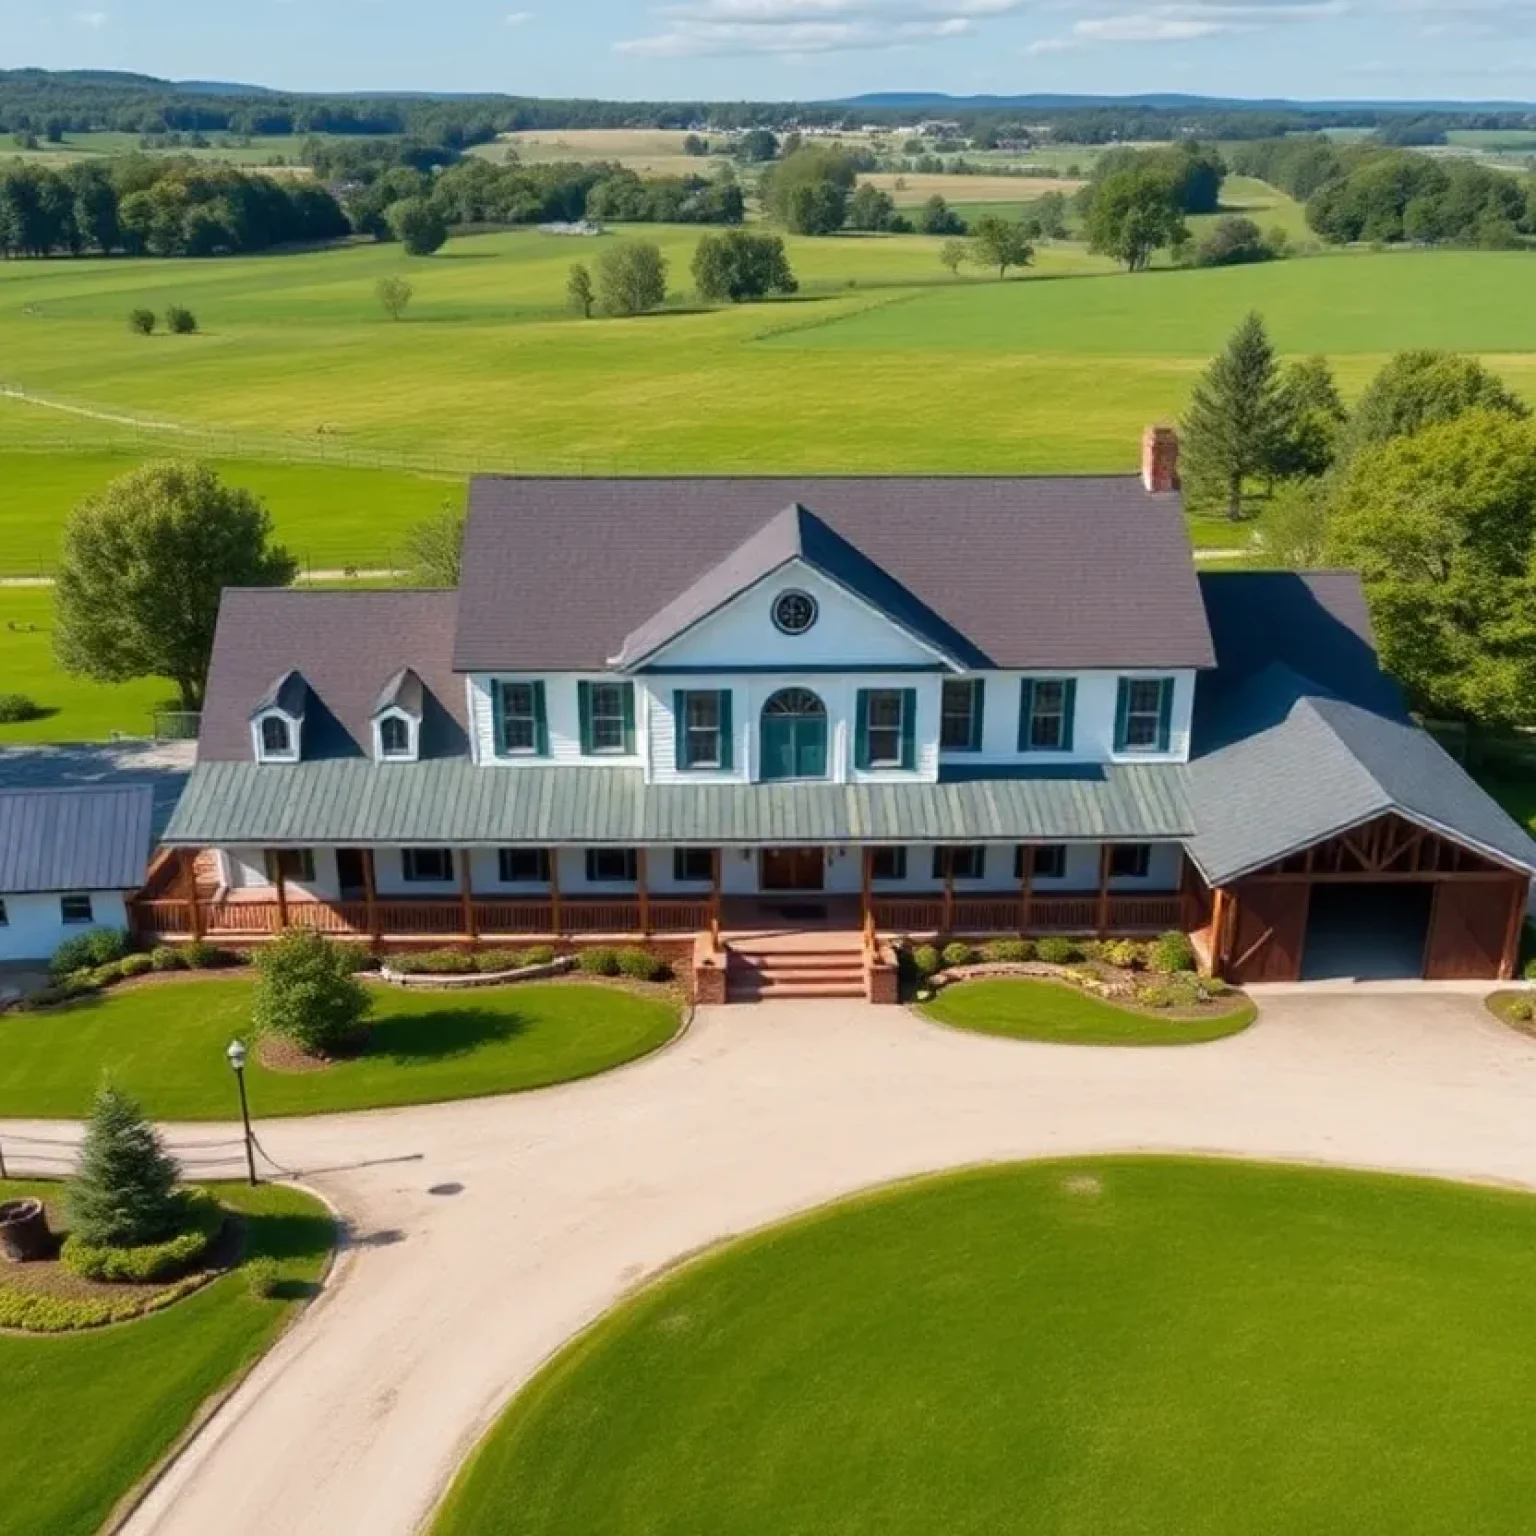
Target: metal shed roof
452, 802
75, 839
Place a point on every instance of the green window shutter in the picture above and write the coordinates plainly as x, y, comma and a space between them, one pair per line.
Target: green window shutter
584, 707
861, 730
1068, 712
727, 738
909, 727
978, 711
680, 729
498, 721
540, 721
1164, 714
629, 718
1122, 708
1026, 710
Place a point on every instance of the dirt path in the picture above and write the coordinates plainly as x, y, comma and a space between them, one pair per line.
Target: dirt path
486, 1233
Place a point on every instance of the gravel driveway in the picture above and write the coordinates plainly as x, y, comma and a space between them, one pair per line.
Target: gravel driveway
486, 1233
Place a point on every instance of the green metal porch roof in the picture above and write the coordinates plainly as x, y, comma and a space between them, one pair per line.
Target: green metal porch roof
454, 803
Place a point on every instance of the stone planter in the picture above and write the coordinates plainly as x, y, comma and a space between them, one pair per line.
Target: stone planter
24, 1232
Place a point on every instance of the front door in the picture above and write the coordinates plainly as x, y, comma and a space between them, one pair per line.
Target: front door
793, 869
350, 879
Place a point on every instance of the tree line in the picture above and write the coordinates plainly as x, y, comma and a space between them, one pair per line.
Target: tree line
1427, 486
1376, 193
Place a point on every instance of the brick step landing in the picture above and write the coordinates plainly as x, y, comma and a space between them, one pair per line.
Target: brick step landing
754, 976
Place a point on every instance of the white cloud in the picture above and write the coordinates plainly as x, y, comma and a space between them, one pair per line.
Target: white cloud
695, 28
92, 21
1148, 28
519, 18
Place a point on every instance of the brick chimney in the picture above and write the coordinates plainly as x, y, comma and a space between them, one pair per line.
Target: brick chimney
1160, 460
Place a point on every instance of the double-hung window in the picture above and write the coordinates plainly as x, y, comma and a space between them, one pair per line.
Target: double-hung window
523, 722
394, 737
1130, 861
523, 866
960, 714
1046, 708
1047, 861
887, 864
703, 723
291, 864
425, 866
960, 863
75, 910
1144, 714
885, 730
607, 719
612, 866
276, 736
693, 866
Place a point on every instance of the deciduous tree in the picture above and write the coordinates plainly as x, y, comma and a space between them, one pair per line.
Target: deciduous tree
1311, 418
416, 223
434, 548
579, 291
1131, 213
1232, 425
1000, 243
738, 266
1417, 389
143, 567
394, 295
954, 254
631, 278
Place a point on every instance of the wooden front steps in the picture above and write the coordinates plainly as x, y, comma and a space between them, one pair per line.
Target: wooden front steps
766, 970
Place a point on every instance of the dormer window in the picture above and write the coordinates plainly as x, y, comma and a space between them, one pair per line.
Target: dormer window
276, 737
394, 737
397, 719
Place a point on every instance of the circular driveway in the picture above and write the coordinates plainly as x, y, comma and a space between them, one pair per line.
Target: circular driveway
483, 1234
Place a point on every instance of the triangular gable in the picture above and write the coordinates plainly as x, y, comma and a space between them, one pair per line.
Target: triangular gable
797, 537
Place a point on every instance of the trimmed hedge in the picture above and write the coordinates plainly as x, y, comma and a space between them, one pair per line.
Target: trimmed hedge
599, 961
86, 951
926, 960
38, 1312
153, 1261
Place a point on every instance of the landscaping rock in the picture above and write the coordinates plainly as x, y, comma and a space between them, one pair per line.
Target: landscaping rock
24, 1232
453, 980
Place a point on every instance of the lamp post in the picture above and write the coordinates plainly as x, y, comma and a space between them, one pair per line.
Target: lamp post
236, 1054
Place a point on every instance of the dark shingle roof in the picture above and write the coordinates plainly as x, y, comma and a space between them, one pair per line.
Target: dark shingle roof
403, 691
75, 839
1048, 572
289, 693
349, 646
453, 803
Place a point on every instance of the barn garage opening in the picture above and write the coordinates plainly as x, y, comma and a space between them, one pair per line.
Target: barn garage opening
1366, 932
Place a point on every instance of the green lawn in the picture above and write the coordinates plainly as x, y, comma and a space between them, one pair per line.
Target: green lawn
1025, 1009
165, 1045
329, 516
1105, 1347
84, 1416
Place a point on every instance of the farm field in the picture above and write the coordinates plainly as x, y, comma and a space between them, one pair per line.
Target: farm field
1094, 1347
916, 187
652, 151
274, 150
1257, 200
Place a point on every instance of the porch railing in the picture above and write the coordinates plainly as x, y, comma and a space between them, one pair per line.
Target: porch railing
1041, 914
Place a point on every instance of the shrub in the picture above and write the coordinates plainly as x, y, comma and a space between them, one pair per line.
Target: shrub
926, 960
200, 955
489, 961
1520, 1010
539, 954
262, 1278
1529, 971
135, 965
359, 958
958, 954
641, 965
306, 992
142, 322
17, 707
166, 957
599, 961
1214, 986
1157, 995
143, 1263
1008, 951
1127, 954
85, 951
435, 962
1059, 951
179, 321
105, 975
123, 1192
1171, 953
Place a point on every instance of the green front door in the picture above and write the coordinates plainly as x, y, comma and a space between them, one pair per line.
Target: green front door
794, 736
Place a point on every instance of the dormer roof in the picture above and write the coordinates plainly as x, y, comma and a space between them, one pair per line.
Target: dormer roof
797, 534
288, 693
403, 691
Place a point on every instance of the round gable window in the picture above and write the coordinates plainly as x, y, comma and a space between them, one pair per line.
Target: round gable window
794, 612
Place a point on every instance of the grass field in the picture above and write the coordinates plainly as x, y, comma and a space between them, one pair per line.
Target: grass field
285, 150
917, 187
164, 1043
651, 151
1096, 1347
1268, 207
85, 1416
1048, 1010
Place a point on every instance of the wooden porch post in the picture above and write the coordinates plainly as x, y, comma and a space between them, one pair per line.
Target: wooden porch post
1104, 853
371, 897
282, 892
189, 869
867, 892
467, 896
949, 890
1218, 922
1026, 883
555, 914
716, 858
643, 891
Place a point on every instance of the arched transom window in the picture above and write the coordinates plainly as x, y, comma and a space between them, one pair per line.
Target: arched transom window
794, 736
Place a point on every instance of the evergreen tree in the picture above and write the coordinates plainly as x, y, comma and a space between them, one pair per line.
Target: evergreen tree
1234, 419
123, 1193
1312, 416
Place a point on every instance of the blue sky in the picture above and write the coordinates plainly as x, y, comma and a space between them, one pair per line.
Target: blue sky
778, 49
